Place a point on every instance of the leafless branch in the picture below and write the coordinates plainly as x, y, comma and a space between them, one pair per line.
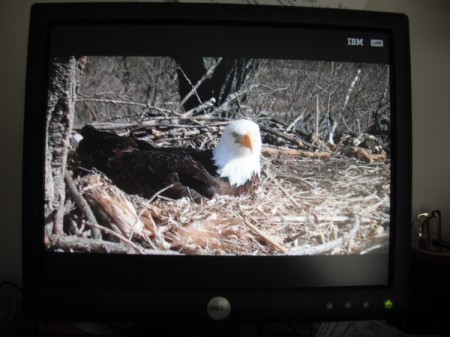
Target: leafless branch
82, 204
320, 249
195, 87
75, 243
263, 235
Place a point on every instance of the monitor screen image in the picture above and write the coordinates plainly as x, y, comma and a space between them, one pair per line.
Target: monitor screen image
319, 179
176, 154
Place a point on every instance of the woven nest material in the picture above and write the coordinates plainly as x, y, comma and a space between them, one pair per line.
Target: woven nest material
302, 206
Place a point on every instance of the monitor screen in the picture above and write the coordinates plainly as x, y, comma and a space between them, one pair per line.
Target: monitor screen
263, 152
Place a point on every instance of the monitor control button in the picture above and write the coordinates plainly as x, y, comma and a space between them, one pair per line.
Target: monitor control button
329, 306
388, 304
347, 305
366, 304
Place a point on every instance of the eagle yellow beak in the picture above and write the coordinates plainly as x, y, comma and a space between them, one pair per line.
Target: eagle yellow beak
247, 141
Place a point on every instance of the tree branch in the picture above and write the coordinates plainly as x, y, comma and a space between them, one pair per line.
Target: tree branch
195, 87
95, 246
320, 249
263, 235
82, 204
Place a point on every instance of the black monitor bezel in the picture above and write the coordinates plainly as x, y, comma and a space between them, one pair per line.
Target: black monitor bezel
239, 277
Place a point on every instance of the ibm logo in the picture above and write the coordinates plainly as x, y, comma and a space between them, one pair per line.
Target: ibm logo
351, 41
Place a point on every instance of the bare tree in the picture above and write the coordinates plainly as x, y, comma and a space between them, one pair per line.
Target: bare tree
324, 100
228, 77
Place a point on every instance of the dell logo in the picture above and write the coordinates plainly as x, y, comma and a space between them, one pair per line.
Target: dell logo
218, 308
351, 41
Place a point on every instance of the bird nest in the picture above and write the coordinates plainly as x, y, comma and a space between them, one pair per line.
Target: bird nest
302, 206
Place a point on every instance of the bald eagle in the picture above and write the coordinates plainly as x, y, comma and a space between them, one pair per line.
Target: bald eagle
137, 167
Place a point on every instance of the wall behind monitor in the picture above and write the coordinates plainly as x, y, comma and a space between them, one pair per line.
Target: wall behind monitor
430, 33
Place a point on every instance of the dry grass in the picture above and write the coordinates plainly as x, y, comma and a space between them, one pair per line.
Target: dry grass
301, 206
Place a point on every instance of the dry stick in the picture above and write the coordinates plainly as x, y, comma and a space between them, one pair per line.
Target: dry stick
190, 83
212, 122
159, 192
144, 105
270, 151
85, 245
296, 179
97, 246
320, 218
119, 102
156, 231
120, 237
284, 191
146, 234
260, 233
375, 243
195, 87
296, 120
316, 132
82, 204
282, 135
347, 99
200, 108
314, 250
114, 126
232, 97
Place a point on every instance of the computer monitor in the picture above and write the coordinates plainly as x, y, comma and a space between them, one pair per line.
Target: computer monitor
129, 211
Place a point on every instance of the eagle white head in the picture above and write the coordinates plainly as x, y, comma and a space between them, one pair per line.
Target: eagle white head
238, 154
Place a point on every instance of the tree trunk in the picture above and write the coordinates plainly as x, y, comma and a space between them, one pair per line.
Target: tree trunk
60, 112
336, 121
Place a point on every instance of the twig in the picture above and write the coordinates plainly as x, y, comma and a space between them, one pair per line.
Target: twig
320, 218
190, 83
95, 246
195, 87
295, 153
295, 121
120, 237
232, 97
371, 249
264, 236
155, 230
288, 195
82, 204
296, 179
159, 192
292, 139
197, 120
314, 250
200, 108
119, 102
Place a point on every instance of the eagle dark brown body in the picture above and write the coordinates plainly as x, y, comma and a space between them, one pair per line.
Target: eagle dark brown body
137, 167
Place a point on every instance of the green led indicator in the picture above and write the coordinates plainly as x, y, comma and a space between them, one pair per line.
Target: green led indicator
388, 303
